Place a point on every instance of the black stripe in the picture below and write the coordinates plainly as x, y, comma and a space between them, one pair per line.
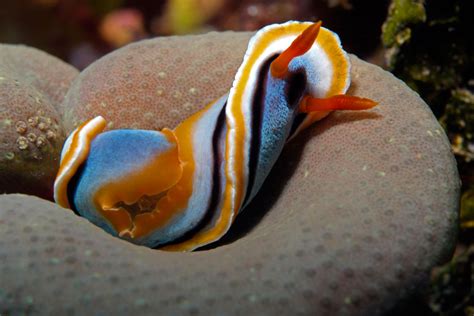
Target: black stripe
295, 89
297, 122
72, 187
257, 113
216, 182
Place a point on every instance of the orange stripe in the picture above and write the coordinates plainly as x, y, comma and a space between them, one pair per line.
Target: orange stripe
177, 198
339, 61
68, 166
156, 177
340, 65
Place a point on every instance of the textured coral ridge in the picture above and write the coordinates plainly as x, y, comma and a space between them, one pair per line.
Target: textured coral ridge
156, 83
354, 215
32, 85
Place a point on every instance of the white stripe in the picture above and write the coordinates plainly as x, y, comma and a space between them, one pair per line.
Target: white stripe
83, 140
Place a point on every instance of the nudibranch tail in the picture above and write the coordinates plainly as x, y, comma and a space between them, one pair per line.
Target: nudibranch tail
298, 47
335, 103
74, 153
148, 187
136, 201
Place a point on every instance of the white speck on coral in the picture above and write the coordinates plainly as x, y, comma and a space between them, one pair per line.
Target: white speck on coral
162, 74
6, 122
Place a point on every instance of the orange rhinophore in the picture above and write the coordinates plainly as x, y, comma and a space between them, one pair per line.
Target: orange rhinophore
298, 47
335, 103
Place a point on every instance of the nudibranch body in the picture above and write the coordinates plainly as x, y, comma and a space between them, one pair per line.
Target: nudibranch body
183, 188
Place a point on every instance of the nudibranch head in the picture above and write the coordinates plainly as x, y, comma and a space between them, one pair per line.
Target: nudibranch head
186, 186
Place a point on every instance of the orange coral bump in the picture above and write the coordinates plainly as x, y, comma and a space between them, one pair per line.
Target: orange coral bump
298, 47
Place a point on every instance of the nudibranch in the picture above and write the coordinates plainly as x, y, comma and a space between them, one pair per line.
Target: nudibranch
182, 189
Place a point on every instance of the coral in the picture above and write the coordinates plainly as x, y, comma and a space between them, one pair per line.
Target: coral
355, 214
121, 27
155, 83
32, 84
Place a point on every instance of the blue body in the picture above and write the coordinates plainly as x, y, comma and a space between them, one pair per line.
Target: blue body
113, 155
277, 117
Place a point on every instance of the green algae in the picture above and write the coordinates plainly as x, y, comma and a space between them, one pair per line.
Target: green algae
402, 13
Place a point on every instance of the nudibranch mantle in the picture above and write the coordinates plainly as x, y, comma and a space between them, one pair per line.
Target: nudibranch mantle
181, 189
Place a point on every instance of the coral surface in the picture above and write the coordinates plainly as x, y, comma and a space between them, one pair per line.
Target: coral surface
156, 83
32, 85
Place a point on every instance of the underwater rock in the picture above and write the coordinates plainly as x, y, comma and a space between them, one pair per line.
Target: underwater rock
412, 35
429, 46
32, 85
155, 83
458, 120
354, 215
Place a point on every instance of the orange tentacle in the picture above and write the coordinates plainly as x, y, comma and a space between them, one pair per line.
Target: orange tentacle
298, 47
338, 102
